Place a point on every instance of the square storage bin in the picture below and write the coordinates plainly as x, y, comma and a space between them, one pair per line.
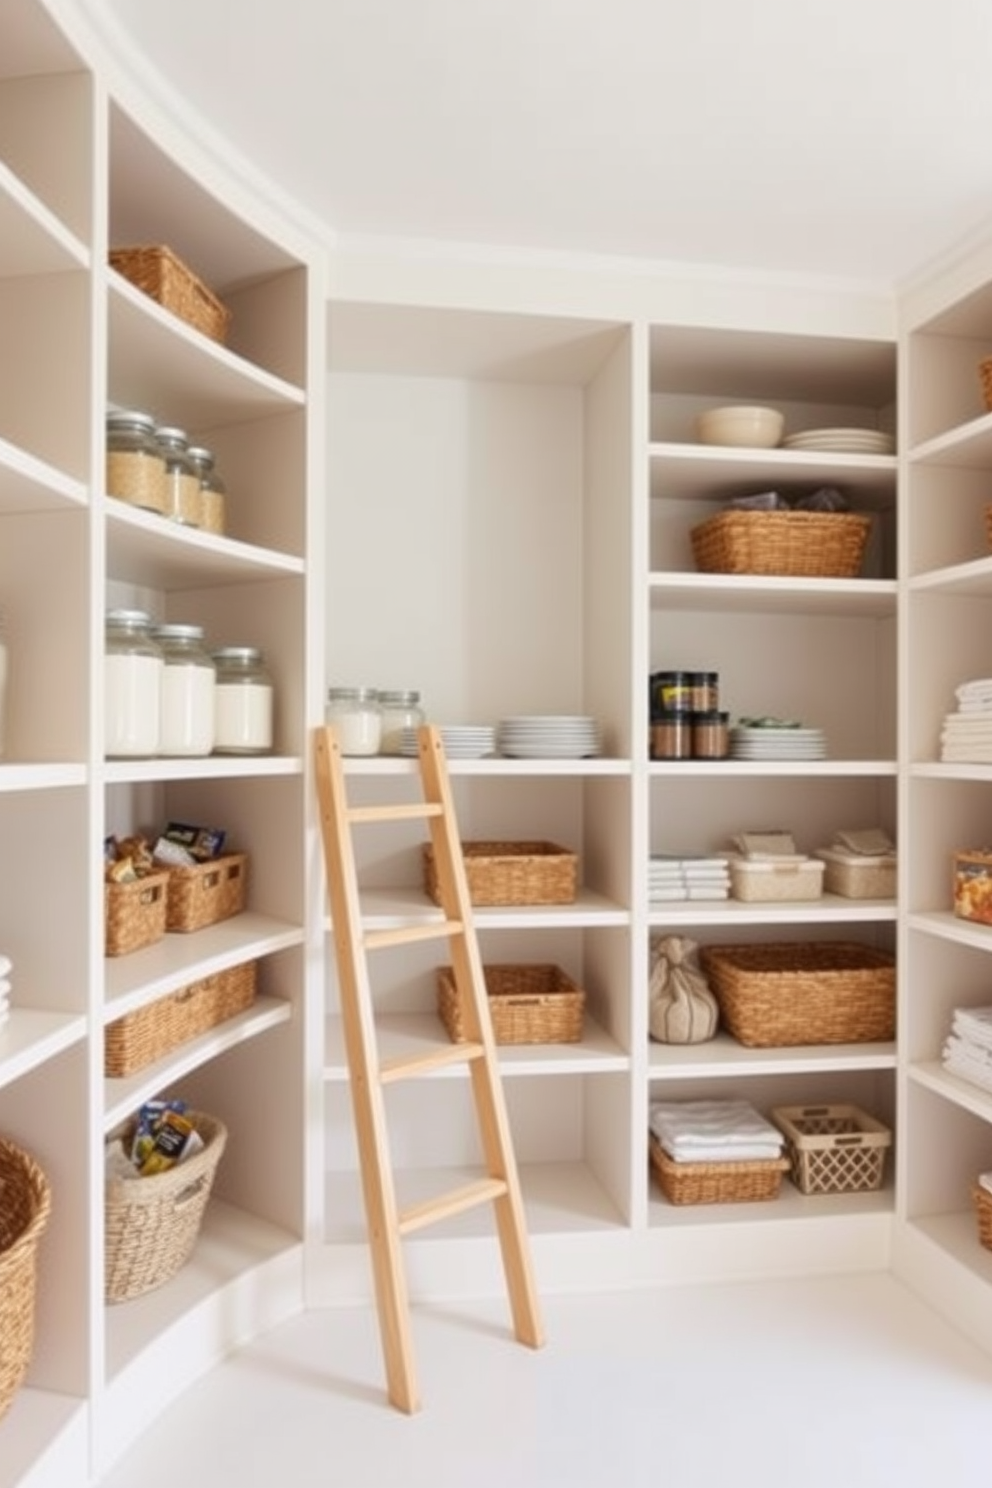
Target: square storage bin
511, 873
800, 543
149, 1033
162, 275
857, 876
527, 1005
716, 1182
206, 893
833, 1149
973, 885
766, 883
134, 913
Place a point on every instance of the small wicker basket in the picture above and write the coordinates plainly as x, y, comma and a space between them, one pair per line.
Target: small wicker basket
833, 1149
134, 913
985, 376
206, 893
982, 1200
527, 1005
25, 1205
152, 1223
716, 1182
791, 543
162, 275
511, 873
133, 1042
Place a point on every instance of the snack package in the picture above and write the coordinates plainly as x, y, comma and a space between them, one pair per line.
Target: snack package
203, 843
163, 1136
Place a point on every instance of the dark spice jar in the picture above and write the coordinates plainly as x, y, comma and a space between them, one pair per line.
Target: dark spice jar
670, 693
710, 735
671, 736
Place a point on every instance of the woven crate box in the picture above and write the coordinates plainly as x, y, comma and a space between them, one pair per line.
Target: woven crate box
134, 913
716, 1182
806, 543
149, 1033
152, 1223
527, 1005
767, 883
209, 892
513, 873
161, 274
857, 876
833, 1149
982, 1201
827, 992
25, 1204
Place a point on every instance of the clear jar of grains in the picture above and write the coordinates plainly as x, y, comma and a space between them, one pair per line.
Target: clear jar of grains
132, 686
135, 464
243, 702
213, 492
189, 677
400, 710
182, 483
356, 715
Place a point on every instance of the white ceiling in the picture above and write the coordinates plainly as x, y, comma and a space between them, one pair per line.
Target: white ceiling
847, 138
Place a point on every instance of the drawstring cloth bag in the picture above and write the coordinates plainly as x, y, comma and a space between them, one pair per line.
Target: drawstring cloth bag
682, 1009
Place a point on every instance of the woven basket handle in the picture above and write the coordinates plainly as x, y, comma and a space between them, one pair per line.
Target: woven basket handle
189, 1193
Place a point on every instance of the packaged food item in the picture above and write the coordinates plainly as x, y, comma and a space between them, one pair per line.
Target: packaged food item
164, 1135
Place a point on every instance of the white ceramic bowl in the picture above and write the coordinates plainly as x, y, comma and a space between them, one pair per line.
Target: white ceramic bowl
757, 428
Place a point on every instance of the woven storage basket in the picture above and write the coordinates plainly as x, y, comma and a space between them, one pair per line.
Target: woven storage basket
134, 913
527, 1005
206, 893
811, 544
25, 1204
162, 275
833, 1149
983, 1211
829, 992
985, 375
152, 1223
139, 1038
511, 873
716, 1182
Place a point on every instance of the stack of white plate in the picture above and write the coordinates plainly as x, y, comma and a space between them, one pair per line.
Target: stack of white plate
549, 736
460, 740
777, 743
842, 441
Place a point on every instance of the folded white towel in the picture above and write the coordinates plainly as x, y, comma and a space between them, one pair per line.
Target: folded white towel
701, 1127
734, 1152
6, 966
4, 986
970, 1070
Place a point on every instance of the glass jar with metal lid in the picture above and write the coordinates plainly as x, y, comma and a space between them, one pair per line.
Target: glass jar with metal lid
182, 483
400, 710
135, 465
357, 717
189, 677
132, 686
213, 492
243, 701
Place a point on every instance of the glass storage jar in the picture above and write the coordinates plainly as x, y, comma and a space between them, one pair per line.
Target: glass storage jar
213, 492
135, 463
182, 483
400, 710
189, 675
243, 701
132, 686
357, 716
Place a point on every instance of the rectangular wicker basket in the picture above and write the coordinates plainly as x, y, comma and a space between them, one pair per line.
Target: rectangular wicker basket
134, 913
527, 1005
152, 1224
982, 1200
833, 1149
149, 1033
511, 873
209, 892
801, 543
159, 273
826, 992
716, 1182
25, 1205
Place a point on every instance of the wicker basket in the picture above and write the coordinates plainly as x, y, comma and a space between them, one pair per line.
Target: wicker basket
163, 276
983, 1210
985, 375
25, 1204
139, 1038
716, 1182
511, 873
134, 913
152, 1223
811, 544
828, 992
206, 893
833, 1149
527, 1005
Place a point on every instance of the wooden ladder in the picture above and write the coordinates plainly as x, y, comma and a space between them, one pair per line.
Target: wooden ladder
387, 1223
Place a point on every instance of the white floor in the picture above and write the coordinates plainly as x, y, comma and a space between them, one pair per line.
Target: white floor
837, 1382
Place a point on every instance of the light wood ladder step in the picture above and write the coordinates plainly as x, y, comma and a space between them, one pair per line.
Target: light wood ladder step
409, 1066
404, 811
455, 1201
377, 940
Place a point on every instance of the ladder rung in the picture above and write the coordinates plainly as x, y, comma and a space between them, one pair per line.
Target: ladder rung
404, 811
408, 1066
430, 1211
375, 940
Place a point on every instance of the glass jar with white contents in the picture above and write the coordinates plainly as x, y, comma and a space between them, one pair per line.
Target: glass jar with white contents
400, 711
356, 716
132, 686
189, 677
243, 702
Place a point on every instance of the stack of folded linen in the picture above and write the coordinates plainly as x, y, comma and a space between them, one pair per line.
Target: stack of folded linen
966, 737
714, 1131
968, 1049
693, 877
6, 966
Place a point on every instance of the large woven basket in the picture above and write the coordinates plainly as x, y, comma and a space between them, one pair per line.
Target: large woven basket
152, 1223
162, 275
511, 873
527, 1004
716, 1182
205, 893
827, 992
133, 1042
25, 1204
802, 543
833, 1149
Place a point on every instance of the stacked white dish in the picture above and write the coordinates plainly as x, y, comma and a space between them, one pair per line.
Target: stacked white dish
549, 736
6, 966
783, 743
460, 740
842, 441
